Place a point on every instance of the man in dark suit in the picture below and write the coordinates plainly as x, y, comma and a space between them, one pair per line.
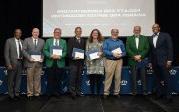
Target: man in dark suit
161, 61
76, 65
137, 47
13, 58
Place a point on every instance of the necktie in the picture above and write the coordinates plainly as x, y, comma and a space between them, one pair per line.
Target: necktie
56, 42
35, 43
20, 50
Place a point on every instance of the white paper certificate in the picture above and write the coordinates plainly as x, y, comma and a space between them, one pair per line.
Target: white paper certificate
94, 56
57, 52
79, 55
36, 57
118, 50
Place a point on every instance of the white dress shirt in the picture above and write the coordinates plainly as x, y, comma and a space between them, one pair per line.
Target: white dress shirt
54, 42
137, 42
155, 38
34, 40
17, 46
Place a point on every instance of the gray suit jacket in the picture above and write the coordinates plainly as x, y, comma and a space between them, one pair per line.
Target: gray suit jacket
29, 49
10, 51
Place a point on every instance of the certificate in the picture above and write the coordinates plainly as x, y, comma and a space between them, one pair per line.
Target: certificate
79, 55
93, 56
117, 50
36, 57
57, 52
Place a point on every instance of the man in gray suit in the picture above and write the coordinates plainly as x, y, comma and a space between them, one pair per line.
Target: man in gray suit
13, 58
32, 50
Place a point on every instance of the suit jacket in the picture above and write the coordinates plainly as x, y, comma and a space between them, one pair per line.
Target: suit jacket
143, 48
73, 43
47, 53
163, 51
10, 51
29, 49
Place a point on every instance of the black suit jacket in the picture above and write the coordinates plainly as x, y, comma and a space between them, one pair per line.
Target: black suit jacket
73, 43
163, 51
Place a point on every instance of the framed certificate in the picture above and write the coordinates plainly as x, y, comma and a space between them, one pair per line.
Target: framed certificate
78, 53
36, 57
93, 54
117, 50
56, 50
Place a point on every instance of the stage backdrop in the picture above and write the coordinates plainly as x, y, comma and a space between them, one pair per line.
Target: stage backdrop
85, 85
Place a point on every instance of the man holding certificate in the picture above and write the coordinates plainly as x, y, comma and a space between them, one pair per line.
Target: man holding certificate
94, 61
114, 51
55, 51
32, 51
76, 47
137, 47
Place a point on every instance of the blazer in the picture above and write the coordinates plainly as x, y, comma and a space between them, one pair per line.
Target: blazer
29, 48
143, 48
49, 61
10, 51
163, 51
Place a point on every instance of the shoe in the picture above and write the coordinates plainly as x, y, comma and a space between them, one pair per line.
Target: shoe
12, 99
105, 97
29, 98
168, 101
17, 97
73, 96
158, 97
117, 96
134, 93
145, 93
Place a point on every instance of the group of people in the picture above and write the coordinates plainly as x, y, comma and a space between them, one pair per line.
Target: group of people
155, 51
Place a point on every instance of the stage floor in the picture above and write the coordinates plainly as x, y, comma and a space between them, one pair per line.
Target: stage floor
88, 104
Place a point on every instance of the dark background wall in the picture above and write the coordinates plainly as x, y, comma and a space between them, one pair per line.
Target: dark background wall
26, 14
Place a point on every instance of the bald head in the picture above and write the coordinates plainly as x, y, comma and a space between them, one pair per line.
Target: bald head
156, 28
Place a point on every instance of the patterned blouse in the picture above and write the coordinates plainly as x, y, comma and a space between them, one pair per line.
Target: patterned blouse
95, 66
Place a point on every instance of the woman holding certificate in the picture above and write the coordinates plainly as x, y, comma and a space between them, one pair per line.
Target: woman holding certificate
94, 62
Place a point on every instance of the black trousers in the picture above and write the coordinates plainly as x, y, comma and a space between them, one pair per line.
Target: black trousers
75, 78
95, 83
55, 77
135, 72
162, 80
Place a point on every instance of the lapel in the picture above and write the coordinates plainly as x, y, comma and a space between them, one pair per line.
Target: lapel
135, 42
158, 40
14, 44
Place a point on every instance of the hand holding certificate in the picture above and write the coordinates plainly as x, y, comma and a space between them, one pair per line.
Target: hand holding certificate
93, 54
36, 58
117, 52
78, 53
57, 52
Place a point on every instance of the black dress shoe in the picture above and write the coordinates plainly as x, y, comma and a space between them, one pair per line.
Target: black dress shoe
29, 98
12, 99
168, 100
117, 96
105, 97
73, 96
17, 97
